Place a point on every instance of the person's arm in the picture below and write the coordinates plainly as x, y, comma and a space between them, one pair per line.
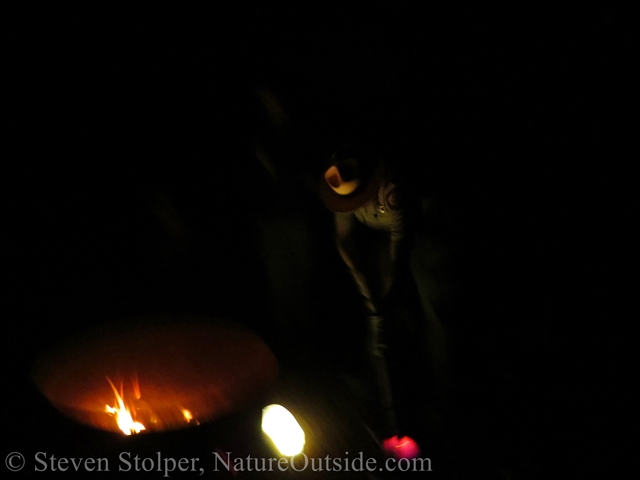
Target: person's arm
397, 244
344, 240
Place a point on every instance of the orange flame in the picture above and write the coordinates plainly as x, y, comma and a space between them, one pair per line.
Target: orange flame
136, 388
122, 413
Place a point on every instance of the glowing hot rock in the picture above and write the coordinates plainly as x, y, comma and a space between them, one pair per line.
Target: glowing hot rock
283, 429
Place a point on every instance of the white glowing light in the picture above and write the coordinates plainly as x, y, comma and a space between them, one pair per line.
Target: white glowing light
283, 429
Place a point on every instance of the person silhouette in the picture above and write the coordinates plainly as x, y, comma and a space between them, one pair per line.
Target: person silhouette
373, 222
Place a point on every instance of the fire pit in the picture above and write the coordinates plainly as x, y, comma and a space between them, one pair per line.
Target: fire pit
157, 374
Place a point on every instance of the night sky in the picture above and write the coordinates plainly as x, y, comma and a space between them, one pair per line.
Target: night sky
132, 186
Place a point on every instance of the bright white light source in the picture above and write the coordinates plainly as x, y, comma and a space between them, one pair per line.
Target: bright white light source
283, 429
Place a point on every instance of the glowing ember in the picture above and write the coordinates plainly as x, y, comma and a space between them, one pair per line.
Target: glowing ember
123, 415
187, 414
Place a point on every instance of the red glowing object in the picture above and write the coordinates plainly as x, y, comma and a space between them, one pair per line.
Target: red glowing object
398, 448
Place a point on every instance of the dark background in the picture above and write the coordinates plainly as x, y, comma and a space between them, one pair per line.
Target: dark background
132, 186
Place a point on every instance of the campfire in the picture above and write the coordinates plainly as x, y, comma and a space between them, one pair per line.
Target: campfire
123, 415
160, 374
